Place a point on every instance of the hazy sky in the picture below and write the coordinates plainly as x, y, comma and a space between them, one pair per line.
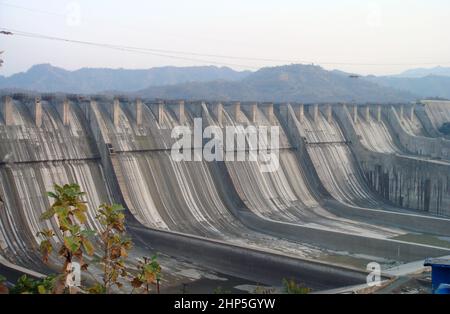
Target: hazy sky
393, 34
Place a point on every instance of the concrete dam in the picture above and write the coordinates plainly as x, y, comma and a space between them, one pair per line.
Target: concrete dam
355, 184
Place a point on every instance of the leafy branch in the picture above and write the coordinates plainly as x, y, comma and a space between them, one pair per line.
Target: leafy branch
70, 212
115, 245
149, 273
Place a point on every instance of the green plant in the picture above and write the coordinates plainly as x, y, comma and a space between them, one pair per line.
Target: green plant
27, 285
3, 288
70, 212
115, 246
292, 287
98, 288
46, 247
263, 290
149, 273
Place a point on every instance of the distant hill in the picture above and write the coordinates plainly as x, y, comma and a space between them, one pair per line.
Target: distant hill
47, 78
422, 72
430, 86
305, 83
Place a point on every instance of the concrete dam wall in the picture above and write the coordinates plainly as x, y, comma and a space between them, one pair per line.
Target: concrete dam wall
119, 150
37, 151
408, 180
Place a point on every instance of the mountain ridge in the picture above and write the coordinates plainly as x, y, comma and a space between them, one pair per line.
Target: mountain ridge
422, 72
430, 86
306, 83
294, 82
48, 78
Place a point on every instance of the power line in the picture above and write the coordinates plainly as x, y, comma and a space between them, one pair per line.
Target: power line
143, 49
197, 54
115, 47
164, 52
174, 54
82, 18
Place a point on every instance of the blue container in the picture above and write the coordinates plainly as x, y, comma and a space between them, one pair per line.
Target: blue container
443, 289
440, 275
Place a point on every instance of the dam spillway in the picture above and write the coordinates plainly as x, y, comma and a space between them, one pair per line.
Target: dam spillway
119, 150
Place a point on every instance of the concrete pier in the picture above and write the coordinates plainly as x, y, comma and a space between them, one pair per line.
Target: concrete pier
237, 111
38, 112
355, 114
367, 113
401, 112
301, 112
219, 113
139, 112
254, 112
64, 111
329, 113
7, 110
116, 112
379, 113
269, 113
179, 112
314, 112
411, 113
160, 110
